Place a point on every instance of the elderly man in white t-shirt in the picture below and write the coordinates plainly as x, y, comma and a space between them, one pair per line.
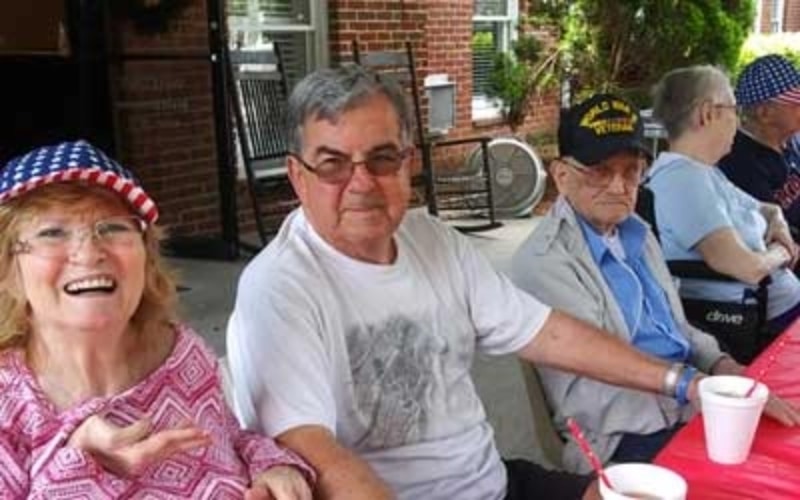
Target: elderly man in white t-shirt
355, 329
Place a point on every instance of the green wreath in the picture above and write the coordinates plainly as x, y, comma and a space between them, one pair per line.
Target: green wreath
149, 16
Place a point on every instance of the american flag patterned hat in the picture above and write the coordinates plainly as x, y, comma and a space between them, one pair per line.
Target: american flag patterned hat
766, 78
74, 162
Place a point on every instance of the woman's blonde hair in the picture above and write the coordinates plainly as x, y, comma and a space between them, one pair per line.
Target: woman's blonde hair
159, 298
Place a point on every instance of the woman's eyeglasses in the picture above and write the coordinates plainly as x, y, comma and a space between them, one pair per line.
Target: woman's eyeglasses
54, 239
735, 107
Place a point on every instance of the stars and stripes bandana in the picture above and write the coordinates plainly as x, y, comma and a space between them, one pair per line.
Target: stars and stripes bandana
74, 162
766, 78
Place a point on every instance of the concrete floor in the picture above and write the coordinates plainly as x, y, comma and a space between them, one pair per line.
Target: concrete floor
210, 297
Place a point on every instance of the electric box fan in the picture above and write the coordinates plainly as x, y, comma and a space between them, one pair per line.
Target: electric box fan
518, 176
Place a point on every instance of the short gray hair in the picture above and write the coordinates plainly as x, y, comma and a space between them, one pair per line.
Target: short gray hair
328, 93
681, 90
750, 113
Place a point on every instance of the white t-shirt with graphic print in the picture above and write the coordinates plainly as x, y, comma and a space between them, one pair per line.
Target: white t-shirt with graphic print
380, 354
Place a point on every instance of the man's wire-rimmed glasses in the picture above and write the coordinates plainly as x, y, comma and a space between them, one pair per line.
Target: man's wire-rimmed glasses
338, 169
58, 239
600, 176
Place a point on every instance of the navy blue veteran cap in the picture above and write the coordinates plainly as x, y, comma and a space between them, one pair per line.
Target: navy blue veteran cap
74, 162
766, 78
600, 127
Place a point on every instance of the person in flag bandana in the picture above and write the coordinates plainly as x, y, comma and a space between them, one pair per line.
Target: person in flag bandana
103, 393
764, 160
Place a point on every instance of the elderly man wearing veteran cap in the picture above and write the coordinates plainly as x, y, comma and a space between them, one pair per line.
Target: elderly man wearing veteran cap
593, 258
765, 160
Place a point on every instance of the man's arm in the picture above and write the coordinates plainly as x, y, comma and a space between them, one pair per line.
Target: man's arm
572, 345
341, 475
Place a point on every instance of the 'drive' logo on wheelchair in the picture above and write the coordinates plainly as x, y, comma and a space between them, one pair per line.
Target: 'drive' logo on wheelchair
717, 316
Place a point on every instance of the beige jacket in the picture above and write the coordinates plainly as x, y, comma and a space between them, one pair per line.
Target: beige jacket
555, 265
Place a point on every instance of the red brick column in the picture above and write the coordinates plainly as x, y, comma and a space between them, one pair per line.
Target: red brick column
163, 115
792, 20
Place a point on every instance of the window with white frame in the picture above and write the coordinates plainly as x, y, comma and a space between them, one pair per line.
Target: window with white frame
776, 21
759, 13
298, 26
493, 28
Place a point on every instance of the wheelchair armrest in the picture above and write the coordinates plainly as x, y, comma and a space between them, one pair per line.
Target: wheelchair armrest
697, 269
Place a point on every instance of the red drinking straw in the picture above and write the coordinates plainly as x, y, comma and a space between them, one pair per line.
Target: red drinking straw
751, 389
773, 357
577, 433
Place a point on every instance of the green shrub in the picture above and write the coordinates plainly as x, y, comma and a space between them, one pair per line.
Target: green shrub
621, 46
516, 77
627, 45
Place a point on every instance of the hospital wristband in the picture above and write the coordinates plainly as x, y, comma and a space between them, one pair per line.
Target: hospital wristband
684, 381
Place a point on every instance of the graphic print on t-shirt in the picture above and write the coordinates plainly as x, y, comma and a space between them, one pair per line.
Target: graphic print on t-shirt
393, 368
789, 192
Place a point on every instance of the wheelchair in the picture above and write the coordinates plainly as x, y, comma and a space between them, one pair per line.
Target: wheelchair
740, 327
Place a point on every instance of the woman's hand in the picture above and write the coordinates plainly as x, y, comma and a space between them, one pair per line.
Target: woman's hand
784, 252
778, 232
782, 411
726, 365
127, 451
281, 482
592, 492
777, 408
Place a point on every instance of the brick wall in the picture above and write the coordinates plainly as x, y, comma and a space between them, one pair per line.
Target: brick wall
163, 118
449, 43
378, 25
766, 16
163, 109
441, 33
792, 20
449, 47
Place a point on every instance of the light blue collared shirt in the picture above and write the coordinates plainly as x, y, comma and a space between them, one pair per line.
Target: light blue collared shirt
642, 301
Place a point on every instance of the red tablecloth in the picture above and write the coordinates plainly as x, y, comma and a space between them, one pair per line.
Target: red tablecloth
772, 471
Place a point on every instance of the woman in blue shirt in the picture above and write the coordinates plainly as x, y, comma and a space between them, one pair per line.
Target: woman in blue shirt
701, 215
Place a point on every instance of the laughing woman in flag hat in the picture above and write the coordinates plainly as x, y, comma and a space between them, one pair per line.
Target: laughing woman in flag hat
103, 394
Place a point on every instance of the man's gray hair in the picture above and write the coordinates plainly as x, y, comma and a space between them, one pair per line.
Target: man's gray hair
751, 116
326, 94
680, 91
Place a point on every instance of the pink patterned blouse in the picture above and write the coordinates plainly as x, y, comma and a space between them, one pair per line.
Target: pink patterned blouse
35, 461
